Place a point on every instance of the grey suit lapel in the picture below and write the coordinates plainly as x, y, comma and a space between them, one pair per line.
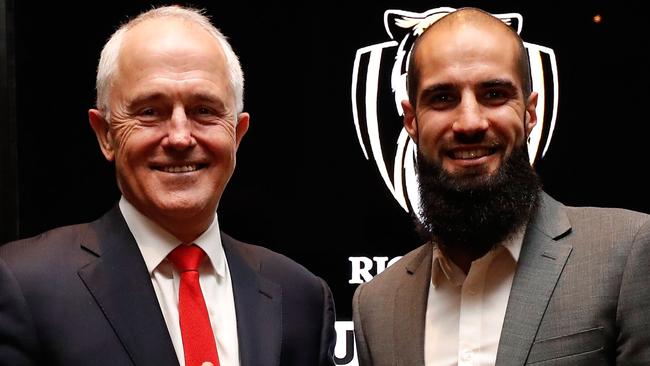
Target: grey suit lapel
540, 264
118, 280
258, 305
410, 309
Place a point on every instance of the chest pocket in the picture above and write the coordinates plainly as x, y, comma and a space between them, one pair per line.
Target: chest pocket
588, 343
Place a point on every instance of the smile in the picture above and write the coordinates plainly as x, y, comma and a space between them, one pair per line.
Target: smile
179, 168
471, 153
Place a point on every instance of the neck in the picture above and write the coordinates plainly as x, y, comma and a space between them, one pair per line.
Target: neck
462, 257
184, 226
187, 232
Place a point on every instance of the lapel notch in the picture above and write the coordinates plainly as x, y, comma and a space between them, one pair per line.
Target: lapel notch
119, 282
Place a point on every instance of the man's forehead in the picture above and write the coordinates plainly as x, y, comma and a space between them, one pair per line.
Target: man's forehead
174, 41
170, 33
445, 34
467, 17
468, 42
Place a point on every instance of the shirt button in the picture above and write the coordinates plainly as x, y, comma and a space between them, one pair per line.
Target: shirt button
466, 355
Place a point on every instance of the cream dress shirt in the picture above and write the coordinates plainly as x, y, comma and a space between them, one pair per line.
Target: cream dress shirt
465, 313
155, 244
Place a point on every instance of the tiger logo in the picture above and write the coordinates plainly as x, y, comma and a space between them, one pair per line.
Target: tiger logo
379, 86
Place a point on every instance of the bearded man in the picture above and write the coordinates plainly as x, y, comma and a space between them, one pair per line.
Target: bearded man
508, 276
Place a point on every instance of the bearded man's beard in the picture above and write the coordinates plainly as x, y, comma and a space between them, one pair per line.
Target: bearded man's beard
475, 213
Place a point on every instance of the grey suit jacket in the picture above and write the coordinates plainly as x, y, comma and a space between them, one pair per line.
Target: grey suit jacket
82, 295
580, 295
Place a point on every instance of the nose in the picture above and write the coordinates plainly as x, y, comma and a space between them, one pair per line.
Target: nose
179, 131
470, 121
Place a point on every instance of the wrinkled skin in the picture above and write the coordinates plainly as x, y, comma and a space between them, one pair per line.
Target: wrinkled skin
172, 132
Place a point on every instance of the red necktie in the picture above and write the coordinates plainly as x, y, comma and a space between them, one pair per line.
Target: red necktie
198, 338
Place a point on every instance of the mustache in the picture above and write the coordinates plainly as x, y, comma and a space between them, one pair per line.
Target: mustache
460, 141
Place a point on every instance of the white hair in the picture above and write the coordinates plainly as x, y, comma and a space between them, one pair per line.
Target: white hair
108, 61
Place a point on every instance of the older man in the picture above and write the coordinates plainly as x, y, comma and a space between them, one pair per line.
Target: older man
154, 281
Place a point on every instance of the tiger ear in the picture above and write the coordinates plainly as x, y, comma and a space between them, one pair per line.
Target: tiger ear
514, 20
398, 24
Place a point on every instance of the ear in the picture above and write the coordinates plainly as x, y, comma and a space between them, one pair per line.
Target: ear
242, 127
530, 119
102, 132
410, 124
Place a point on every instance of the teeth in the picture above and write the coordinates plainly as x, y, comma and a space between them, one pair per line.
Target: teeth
470, 154
179, 169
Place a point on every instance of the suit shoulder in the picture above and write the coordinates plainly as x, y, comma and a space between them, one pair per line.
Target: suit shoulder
273, 264
42, 258
614, 222
615, 215
391, 277
606, 234
57, 239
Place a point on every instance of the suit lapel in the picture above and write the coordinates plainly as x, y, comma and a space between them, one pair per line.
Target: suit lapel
258, 305
118, 280
540, 264
410, 309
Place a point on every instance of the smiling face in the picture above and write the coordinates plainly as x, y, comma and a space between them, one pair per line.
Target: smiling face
470, 110
172, 132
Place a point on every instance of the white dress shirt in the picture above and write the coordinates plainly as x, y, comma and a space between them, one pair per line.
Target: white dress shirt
465, 313
155, 244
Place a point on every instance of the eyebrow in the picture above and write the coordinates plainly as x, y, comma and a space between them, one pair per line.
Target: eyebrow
145, 98
487, 84
440, 87
499, 83
209, 98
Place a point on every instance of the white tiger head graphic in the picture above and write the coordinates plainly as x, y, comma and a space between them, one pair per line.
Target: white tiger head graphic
379, 86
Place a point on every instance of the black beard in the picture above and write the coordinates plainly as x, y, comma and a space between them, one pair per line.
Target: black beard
472, 213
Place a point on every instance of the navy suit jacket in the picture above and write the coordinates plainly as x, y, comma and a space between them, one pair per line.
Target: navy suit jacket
81, 295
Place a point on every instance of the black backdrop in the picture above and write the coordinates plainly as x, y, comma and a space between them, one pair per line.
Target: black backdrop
303, 186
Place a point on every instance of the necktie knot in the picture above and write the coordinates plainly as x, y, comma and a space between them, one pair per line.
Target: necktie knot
186, 257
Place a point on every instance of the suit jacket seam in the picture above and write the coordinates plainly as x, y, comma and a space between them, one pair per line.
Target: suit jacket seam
626, 268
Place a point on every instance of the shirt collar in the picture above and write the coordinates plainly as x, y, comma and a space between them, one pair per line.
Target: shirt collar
156, 243
443, 268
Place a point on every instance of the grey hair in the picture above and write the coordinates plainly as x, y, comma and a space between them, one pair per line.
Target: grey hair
108, 61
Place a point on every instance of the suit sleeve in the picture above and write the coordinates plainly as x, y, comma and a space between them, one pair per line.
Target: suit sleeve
633, 312
328, 333
362, 347
18, 342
